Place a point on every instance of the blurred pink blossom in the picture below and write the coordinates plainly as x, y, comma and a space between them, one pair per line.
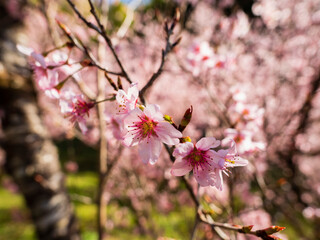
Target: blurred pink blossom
259, 218
71, 167
75, 108
200, 57
243, 140
50, 71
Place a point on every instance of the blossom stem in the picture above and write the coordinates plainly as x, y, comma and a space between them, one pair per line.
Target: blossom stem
54, 49
107, 99
101, 31
60, 85
164, 53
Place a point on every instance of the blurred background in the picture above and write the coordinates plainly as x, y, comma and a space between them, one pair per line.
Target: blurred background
249, 68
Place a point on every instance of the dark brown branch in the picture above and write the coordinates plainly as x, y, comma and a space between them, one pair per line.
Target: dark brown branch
75, 41
164, 53
261, 233
101, 31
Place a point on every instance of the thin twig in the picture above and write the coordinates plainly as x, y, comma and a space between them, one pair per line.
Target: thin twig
101, 31
164, 53
75, 41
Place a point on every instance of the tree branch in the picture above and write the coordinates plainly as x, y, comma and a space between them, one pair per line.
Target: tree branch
101, 31
164, 53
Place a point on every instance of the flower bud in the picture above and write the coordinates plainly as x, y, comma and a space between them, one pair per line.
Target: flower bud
86, 62
186, 119
111, 82
246, 229
273, 229
64, 28
119, 83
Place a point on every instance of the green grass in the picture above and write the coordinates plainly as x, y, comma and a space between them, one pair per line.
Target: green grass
18, 227
82, 188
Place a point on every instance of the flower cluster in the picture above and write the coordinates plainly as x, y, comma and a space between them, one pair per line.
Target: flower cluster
201, 57
135, 124
206, 163
146, 126
50, 74
248, 120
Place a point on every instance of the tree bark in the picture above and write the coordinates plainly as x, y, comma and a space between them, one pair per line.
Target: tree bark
31, 157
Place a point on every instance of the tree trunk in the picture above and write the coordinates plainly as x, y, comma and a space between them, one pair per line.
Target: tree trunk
31, 157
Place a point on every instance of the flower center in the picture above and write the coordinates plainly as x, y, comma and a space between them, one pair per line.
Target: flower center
148, 127
197, 158
144, 128
245, 112
82, 107
238, 138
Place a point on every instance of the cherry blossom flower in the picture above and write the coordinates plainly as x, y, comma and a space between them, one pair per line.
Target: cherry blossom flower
197, 157
148, 129
50, 71
46, 78
127, 101
248, 112
224, 159
75, 108
237, 94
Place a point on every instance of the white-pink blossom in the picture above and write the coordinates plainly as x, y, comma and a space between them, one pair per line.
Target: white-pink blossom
148, 129
224, 159
50, 71
200, 57
74, 107
199, 158
127, 101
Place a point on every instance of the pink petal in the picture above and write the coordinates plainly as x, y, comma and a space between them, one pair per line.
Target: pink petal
167, 133
221, 153
149, 150
52, 93
133, 92
153, 111
231, 144
65, 106
130, 139
217, 175
121, 97
83, 126
215, 159
39, 58
207, 143
132, 117
202, 176
238, 162
180, 167
230, 132
183, 149
25, 50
